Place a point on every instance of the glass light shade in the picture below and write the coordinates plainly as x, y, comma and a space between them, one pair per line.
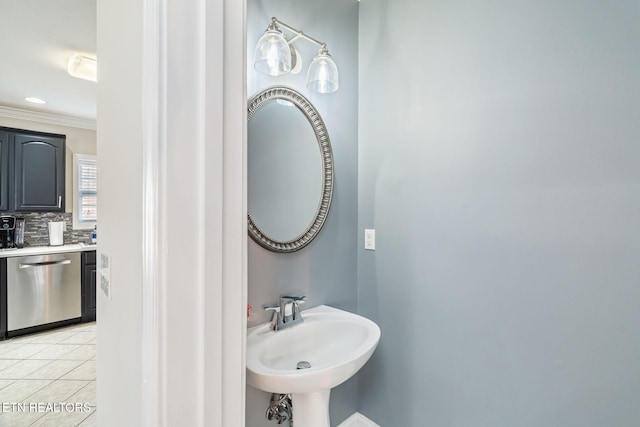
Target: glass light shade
322, 76
273, 54
81, 67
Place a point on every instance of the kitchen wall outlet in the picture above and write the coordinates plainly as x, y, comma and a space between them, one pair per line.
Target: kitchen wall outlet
370, 239
105, 274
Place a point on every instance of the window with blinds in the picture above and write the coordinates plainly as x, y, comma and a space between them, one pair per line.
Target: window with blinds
87, 190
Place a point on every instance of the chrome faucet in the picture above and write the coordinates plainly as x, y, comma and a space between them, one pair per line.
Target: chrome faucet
287, 313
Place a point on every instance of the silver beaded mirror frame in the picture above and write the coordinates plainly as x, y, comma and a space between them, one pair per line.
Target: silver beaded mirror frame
326, 157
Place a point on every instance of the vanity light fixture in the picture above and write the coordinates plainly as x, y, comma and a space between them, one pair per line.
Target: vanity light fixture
275, 56
82, 67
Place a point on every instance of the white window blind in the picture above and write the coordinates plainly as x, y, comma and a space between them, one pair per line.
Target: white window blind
87, 190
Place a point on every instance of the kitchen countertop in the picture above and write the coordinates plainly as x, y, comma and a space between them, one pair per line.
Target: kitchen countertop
41, 250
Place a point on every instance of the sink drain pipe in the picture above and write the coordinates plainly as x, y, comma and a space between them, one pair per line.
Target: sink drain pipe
281, 408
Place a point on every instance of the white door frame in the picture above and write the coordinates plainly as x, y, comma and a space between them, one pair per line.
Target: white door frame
194, 170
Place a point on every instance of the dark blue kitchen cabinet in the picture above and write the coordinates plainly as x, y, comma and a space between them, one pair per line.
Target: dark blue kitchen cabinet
88, 278
32, 171
4, 170
3, 298
38, 172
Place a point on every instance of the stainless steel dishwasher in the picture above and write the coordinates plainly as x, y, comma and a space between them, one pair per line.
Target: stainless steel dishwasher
43, 289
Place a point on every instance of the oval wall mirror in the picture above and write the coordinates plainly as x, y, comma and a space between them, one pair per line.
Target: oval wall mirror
290, 170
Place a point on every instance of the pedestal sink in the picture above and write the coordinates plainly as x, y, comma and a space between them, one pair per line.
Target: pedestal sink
335, 343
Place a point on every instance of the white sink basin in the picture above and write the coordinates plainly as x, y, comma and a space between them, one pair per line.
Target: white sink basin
336, 343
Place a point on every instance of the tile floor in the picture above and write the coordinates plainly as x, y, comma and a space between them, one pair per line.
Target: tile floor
49, 373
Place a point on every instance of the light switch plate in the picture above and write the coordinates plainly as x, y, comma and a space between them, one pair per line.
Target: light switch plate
105, 275
370, 239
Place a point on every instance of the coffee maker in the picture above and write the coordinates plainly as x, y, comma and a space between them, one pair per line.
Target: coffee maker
11, 232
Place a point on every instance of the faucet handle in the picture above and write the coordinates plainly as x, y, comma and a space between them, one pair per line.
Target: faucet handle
273, 307
289, 304
293, 298
294, 306
275, 318
286, 312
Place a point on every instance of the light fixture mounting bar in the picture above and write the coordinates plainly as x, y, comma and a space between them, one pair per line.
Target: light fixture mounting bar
298, 33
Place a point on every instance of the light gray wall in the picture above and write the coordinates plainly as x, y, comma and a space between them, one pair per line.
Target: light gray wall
325, 270
499, 163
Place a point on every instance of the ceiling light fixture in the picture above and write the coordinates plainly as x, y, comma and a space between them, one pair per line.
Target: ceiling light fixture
35, 100
82, 67
276, 56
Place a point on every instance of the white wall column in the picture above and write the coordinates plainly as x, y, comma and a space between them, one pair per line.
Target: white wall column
171, 338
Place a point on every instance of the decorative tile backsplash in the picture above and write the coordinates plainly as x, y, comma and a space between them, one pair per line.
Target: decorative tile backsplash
36, 228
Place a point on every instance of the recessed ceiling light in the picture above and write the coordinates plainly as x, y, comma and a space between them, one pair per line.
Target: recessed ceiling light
36, 100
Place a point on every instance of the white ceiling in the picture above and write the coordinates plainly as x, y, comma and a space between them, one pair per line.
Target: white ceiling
36, 39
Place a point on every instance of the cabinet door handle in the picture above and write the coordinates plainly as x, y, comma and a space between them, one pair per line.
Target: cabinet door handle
44, 264
59, 202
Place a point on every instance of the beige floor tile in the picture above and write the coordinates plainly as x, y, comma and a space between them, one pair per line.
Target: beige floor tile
26, 339
88, 327
81, 337
8, 346
4, 383
42, 356
24, 351
5, 363
63, 419
85, 395
19, 419
22, 368
52, 337
81, 352
91, 421
86, 371
22, 338
54, 369
54, 351
59, 391
21, 390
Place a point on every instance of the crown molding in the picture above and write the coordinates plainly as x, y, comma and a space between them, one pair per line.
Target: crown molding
54, 119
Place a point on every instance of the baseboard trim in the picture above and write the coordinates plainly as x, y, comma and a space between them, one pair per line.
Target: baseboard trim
358, 420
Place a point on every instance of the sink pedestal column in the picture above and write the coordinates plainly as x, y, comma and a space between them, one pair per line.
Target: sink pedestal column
311, 409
